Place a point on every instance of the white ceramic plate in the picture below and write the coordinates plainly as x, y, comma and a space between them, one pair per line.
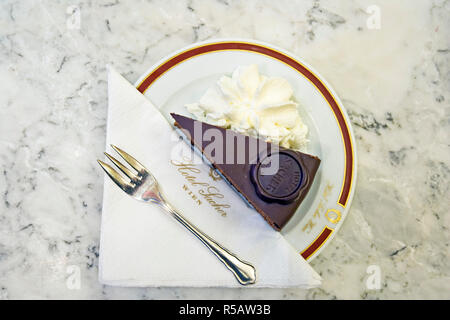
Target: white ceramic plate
183, 77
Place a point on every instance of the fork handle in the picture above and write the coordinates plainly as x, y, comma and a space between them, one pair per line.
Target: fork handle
244, 272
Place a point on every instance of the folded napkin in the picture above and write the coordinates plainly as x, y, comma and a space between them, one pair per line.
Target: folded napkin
143, 246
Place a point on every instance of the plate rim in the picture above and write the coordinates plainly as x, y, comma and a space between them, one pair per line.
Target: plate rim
327, 234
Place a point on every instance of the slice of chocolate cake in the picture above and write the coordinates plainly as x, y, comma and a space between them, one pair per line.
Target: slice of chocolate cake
273, 180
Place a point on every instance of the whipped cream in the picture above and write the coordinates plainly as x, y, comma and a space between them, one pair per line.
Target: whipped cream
255, 105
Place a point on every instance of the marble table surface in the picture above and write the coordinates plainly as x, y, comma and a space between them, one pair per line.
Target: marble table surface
387, 60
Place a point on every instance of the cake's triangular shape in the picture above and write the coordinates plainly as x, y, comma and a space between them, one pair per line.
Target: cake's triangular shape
273, 180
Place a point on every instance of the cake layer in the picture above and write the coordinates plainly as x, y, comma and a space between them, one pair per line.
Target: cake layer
272, 179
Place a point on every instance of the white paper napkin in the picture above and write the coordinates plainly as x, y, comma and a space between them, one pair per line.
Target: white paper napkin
143, 246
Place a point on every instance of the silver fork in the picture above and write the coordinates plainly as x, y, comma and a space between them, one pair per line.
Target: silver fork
144, 187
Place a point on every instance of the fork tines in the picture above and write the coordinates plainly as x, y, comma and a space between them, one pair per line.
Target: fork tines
123, 183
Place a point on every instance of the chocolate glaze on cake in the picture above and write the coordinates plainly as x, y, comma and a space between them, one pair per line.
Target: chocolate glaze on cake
274, 191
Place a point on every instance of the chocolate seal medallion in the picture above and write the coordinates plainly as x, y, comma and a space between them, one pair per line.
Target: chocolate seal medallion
279, 177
